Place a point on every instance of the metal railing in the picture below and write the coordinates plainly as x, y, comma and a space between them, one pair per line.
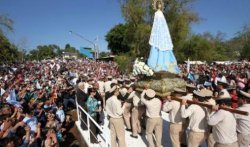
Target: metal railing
104, 135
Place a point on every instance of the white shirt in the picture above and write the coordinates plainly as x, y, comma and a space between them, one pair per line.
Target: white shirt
133, 95
60, 115
86, 87
107, 86
197, 117
101, 86
243, 122
31, 122
173, 107
189, 96
114, 107
224, 126
153, 107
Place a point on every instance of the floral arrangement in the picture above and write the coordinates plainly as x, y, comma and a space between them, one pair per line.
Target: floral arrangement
141, 68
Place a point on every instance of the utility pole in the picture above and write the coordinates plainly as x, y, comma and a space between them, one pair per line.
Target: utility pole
96, 54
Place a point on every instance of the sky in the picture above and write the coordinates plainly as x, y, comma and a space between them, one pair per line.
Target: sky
43, 22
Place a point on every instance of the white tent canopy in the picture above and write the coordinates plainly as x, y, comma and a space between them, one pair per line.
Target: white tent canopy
195, 62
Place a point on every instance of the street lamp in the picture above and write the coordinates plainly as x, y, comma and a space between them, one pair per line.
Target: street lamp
91, 42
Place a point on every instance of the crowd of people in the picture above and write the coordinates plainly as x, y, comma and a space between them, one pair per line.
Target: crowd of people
36, 96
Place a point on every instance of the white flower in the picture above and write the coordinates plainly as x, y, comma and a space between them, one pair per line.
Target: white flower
140, 67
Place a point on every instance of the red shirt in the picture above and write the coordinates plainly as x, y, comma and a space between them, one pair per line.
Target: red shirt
234, 99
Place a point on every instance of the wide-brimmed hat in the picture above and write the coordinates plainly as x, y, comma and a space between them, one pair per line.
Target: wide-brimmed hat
150, 93
191, 86
223, 95
244, 94
199, 94
206, 92
179, 91
222, 82
230, 88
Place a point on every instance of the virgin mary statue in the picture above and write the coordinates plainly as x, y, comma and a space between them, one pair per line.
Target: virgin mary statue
161, 57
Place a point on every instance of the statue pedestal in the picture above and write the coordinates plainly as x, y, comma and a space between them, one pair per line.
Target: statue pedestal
162, 82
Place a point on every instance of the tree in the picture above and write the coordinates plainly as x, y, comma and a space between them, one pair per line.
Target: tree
8, 51
245, 52
117, 39
103, 54
237, 46
44, 52
204, 47
5, 23
139, 17
179, 16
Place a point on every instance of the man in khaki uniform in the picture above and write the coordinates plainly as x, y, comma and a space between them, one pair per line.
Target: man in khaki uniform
224, 124
209, 100
115, 110
243, 122
154, 120
177, 123
189, 88
127, 110
137, 111
197, 120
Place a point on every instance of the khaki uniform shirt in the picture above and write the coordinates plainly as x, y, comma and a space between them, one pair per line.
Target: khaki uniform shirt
153, 107
114, 107
197, 117
173, 107
224, 126
243, 122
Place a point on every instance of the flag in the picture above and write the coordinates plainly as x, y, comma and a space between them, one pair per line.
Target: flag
190, 76
188, 66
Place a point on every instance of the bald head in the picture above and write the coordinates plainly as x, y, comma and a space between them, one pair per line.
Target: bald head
81, 85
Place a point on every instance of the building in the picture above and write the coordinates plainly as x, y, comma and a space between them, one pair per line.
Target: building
68, 55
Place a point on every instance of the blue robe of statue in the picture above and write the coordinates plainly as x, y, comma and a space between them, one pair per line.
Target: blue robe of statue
161, 57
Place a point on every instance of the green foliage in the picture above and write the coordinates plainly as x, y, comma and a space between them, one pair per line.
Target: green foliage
44, 52
124, 62
140, 44
8, 52
70, 49
5, 23
245, 52
118, 40
179, 17
103, 54
203, 47
133, 36
239, 45
135, 11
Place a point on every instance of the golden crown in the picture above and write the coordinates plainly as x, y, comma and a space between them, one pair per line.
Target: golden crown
155, 4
